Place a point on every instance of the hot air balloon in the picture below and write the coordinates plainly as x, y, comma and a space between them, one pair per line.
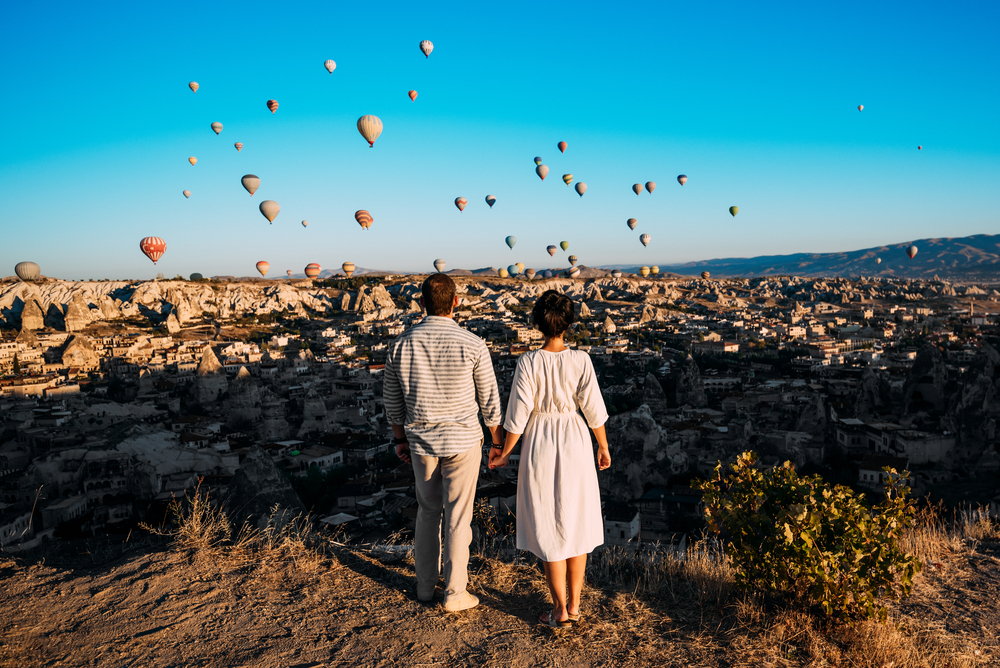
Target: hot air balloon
644, 271
193, 160
616, 273
262, 267
439, 265
305, 223
502, 273
288, 272
654, 270
216, 127
861, 107
562, 146
460, 202
542, 171
552, 250
529, 273
564, 245
195, 277
911, 251
631, 222
520, 266
650, 186
312, 270
413, 95
27, 271
538, 160
270, 209
920, 148
251, 182
705, 275
187, 193
364, 219
637, 188
194, 86
574, 272
878, 260
644, 239
734, 210
512, 270
573, 260
682, 179
272, 105
370, 128
330, 66
153, 248
567, 179
239, 146
510, 241
491, 200
547, 274
426, 46
348, 268
581, 188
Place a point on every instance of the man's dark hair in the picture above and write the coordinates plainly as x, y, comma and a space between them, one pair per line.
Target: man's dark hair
438, 293
553, 313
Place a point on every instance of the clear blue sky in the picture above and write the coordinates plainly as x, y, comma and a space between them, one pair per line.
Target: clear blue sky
755, 102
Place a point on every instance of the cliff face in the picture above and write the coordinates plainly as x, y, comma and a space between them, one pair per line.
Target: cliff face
211, 382
690, 389
257, 488
642, 452
243, 408
925, 388
974, 408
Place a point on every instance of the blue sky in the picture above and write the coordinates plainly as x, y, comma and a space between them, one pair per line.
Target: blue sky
756, 103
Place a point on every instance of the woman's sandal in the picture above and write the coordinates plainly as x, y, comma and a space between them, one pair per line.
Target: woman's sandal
549, 619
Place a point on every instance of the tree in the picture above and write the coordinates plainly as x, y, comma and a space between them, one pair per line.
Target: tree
17, 365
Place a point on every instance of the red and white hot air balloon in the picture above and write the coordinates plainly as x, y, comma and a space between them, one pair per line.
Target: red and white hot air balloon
552, 250
153, 248
911, 251
562, 146
272, 105
370, 128
239, 146
413, 95
364, 219
460, 202
330, 66
194, 86
289, 272
262, 267
312, 270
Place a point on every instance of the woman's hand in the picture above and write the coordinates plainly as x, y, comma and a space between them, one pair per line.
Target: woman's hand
603, 458
498, 460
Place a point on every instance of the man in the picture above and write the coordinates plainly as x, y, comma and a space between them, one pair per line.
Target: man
438, 378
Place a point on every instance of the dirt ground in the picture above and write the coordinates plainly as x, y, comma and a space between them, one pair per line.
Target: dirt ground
156, 607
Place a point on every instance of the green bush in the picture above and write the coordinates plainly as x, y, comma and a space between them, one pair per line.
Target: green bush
815, 542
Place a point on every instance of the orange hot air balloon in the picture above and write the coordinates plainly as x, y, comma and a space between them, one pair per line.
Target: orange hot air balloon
682, 179
650, 186
239, 146
364, 219
705, 275
562, 146
187, 193
153, 248
460, 202
413, 95
216, 127
262, 267
193, 160
631, 222
348, 268
272, 105
194, 86
312, 270
637, 188
370, 128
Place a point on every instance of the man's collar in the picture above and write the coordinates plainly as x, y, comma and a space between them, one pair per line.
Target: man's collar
441, 318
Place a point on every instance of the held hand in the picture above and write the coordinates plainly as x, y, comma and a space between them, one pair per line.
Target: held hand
603, 459
497, 459
403, 452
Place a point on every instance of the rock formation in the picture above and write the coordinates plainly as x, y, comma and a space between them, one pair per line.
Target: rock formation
644, 454
80, 352
210, 382
690, 388
925, 387
974, 408
314, 416
173, 325
654, 397
244, 404
77, 314
256, 489
32, 316
874, 396
54, 317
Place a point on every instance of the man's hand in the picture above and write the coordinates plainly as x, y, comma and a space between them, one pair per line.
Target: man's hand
497, 459
403, 452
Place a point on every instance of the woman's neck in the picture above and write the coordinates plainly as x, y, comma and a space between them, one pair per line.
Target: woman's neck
554, 344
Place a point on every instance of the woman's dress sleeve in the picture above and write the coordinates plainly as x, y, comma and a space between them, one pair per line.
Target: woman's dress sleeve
588, 395
522, 399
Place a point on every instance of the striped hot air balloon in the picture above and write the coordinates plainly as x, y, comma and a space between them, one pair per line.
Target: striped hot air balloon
330, 66
262, 267
573, 260
426, 46
370, 128
650, 186
581, 188
705, 275
413, 95
216, 127
538, 160
562, 146
187, 193
27, 271
364, 219
529, 274
637, 188
567, 179
153, 248
542, 171
312, 270
270, 209
460, 202
574, 272
631, 222
348, 268
551, 249
644, 271
251, 182
194, 86
239, 146
654, 270
644, 239
193, 160
272, 105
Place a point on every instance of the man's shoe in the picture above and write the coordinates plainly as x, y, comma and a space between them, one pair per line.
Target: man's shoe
425, 596
462, 601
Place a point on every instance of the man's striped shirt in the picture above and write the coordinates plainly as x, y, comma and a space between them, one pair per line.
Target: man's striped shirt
438, 377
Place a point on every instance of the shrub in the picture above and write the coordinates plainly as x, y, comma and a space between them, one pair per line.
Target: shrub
817, 543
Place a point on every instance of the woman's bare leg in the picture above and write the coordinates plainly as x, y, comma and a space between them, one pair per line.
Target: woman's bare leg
555, 576
576, 568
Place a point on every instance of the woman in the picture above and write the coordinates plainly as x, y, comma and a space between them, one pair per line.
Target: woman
558, 500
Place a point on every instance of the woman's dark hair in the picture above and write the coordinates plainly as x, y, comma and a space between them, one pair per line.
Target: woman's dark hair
553, 313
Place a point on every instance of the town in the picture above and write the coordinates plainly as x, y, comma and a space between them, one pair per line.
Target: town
118, 398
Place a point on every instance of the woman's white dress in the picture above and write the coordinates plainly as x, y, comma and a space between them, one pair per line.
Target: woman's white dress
558, 500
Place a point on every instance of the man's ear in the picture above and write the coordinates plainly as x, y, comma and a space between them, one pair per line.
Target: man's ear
454, 302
